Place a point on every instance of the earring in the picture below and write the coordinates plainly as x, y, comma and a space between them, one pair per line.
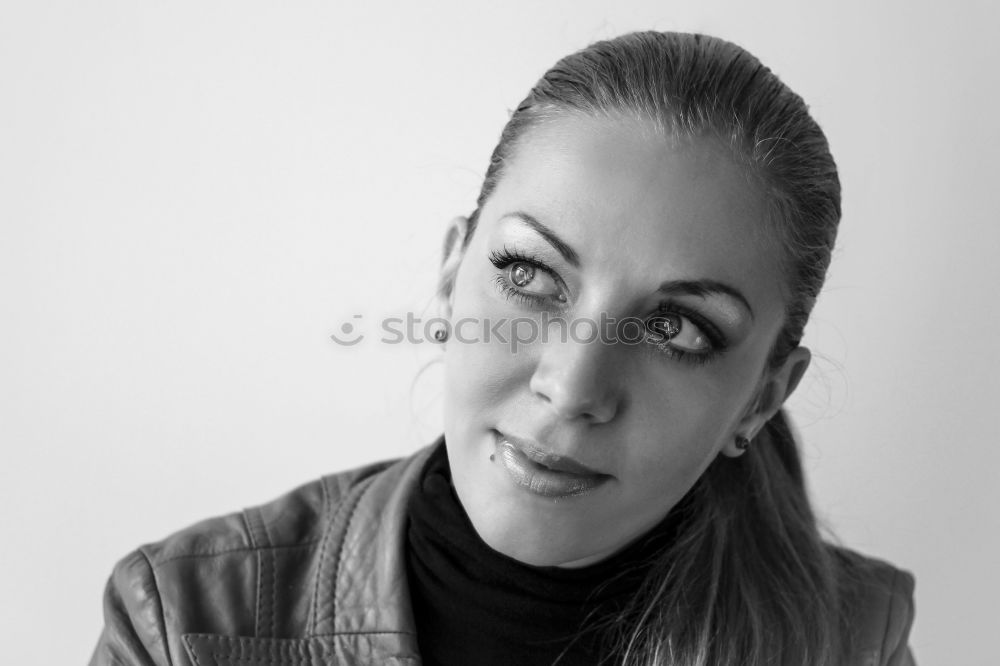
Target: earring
742, 443
441, 334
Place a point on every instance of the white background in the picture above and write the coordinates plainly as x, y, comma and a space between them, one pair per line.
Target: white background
195, 195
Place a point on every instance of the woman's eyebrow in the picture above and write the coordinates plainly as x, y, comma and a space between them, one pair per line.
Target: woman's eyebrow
685, 287
568, 253
704, 288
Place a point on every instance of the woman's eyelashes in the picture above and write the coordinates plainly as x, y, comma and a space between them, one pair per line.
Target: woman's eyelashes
526, 280
684, 334
677, 331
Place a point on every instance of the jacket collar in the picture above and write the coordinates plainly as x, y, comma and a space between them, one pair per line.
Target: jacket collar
360, 611
361, 585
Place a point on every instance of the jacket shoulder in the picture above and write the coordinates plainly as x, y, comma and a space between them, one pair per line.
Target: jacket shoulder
208, 576
294, 518
878, 597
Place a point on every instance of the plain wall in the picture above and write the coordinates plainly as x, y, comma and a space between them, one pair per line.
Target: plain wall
195, 195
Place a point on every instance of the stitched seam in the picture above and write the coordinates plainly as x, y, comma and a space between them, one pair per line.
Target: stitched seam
259, 611
191, 650
265, 603
327, 510
292, 641
242, 549
248, 524
244, 641
159, 603
341, 507
314, 605
252, 535
278, 650
322, 560
272, 601
340, 547
276, 646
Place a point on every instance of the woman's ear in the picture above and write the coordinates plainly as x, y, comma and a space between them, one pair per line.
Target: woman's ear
451, 258
778, 385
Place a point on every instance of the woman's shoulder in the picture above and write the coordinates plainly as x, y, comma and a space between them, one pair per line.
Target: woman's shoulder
879, 604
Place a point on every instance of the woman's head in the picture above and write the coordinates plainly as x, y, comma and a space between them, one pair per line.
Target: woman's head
665, 197
690, 85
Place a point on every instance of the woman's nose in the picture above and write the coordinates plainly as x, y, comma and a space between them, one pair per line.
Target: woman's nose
578, 379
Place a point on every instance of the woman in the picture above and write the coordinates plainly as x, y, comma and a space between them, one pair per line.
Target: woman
616, 482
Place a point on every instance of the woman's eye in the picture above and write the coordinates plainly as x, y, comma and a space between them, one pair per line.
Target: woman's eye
678, 332
520, 274
525, 279
533, 281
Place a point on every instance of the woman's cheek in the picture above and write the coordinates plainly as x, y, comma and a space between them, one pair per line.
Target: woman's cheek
682, 423
482, 369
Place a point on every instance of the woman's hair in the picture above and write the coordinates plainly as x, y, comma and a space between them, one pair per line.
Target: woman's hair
750, 580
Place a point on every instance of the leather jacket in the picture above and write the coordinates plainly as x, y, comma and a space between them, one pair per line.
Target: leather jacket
318, 577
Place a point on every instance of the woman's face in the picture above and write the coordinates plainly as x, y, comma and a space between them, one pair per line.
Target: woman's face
563, 450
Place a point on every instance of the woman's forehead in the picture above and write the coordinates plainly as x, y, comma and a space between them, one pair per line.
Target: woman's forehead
620, 193
631, 160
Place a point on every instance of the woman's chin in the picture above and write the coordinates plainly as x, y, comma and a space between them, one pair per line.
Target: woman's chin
538, 546
524, 525
534, 554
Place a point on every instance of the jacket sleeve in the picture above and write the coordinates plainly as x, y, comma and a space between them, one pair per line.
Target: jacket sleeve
895, 647
133, 633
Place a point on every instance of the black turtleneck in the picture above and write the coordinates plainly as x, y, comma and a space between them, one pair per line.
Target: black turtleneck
474, 605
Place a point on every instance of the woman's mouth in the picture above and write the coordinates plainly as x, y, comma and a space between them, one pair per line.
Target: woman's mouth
544, 473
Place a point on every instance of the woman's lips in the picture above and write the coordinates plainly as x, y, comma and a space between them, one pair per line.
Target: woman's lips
543, 473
